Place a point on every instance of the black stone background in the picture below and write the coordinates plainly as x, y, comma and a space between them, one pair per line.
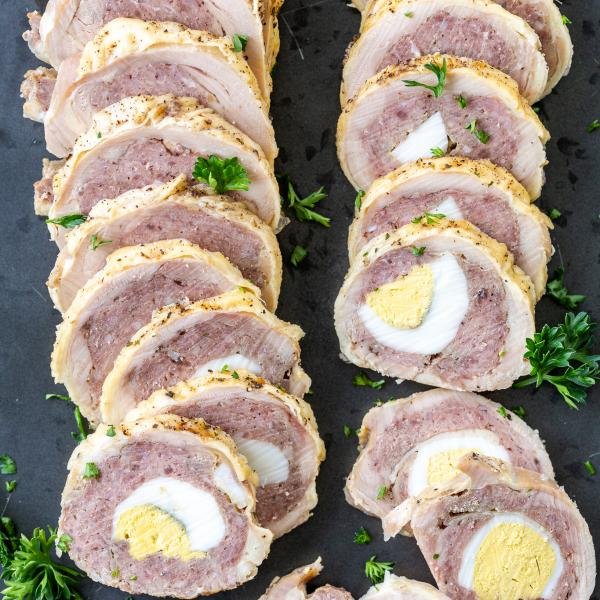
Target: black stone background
305, 109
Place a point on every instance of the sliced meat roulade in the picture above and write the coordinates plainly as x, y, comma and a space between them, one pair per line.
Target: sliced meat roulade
170, 211
146, 139
478, 114
293, 586
401, 588
411, 444
67, 25
120, 299
545, 19
276, 432
460, 188
477, 29
439, 303
129, 57
232, 331
498, 532
36, 89
163, 495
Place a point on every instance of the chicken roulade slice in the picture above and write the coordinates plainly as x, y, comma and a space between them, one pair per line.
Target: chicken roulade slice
163, 495
67, 25
120, 299
477, 29
293, 586
169, 211
501, 532
478, 114
275, 431
401, 588
415, 443
440, 303
460, 188
146, 139
183, 341
130, 57
545, 19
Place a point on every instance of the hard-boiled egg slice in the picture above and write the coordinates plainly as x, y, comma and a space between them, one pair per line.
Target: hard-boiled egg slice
269, 462
437, 458
169, 516
511, 557
229, 363
419, 143
419, 312
450, 209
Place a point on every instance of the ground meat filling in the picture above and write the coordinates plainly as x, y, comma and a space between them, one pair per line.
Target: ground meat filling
143, 78
113, 323
471, 37
88, 513
217, 335
489, 211
475, 350
405, 111
459, 517
244, 417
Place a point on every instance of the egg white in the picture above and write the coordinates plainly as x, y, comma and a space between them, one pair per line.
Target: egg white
420, 141
196, 509
481, 440
232, 362
269, 462
448, 308
450, 209
466, 573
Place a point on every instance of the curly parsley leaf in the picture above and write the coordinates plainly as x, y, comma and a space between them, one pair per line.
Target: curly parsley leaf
32, 573
10, 486
91, 471
461, 101
362, 537
480, 134
428, 218
375, 570
68, 221
8, 466
96, 242
557, 290
561, 356
418, 250
239, 42
363, 380
439, 71
304, 207
221, 174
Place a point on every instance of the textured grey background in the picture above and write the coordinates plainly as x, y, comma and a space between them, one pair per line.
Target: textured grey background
305, 109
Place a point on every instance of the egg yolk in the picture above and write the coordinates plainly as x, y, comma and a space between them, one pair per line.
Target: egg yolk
514, 562
403, 303
444, 465
150, 530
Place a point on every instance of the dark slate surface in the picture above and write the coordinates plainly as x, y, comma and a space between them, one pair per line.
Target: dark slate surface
305, 109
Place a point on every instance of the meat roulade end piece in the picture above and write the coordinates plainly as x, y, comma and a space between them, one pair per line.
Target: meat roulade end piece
164, 212
501, 532
474, 190
162, 506
401, 588
440, 303
477, 113
415, 443
276, 432
183, 341
479, 29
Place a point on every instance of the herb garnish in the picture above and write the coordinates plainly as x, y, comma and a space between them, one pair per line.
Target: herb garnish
221, 174
590, 468
362, 537
409, 14
437, 152
439, 72
503, 412
91, 471
96, 242
560, 355
8, 466
10, 486
358, 200
417, 250
480, 134
554, 214
428, 218
239, 42
298, 255
110, 431
381, 492
9, 540
461, 101
556, 290
303, 207
363, 380
566, 20
68, 221
593, 126
376, 570
30, 571
81, 433
519, 411
58, 397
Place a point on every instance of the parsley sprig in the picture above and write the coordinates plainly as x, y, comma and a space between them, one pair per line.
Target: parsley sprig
304, 207
68, 221
362, 537
557, 290
221, 174
375, 570
30, 572
363, 380
439, 72
560, 355
428, 218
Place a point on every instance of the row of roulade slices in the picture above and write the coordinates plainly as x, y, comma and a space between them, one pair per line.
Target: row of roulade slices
164, 206
448, 257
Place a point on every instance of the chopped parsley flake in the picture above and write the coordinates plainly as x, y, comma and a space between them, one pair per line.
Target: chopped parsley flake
91, 471
96, 242
68, 221
8, 466
590, 468
417, 250
381, 492
557, 290
358, 200
363, 380
239, 42
480, 134
439, 71
362, 537
298, 255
